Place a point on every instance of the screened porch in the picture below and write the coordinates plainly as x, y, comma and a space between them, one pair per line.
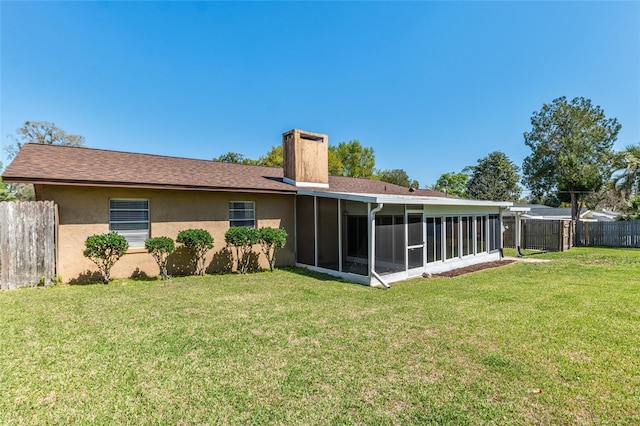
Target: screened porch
377, 240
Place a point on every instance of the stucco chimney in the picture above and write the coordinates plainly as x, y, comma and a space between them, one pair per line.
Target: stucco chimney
306, 158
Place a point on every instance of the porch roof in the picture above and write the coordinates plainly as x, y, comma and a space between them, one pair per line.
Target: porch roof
404, 199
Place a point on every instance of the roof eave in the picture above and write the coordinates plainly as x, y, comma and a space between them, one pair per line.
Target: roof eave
136, 185
404, 199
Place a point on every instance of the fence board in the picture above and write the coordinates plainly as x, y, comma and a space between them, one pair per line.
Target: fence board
27, 244
609, 234
538, 234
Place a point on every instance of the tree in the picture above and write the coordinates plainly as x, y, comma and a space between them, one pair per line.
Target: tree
234, 157
104, 250
627, 180
273, 158
356, 160
452, 184
242, 238
335, 165
198, 242
571, 150
631, 209
42, 132
349, 151
272, 239
5, 193
397, 177
160, 248
494, 178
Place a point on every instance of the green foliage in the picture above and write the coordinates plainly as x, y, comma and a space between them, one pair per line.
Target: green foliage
627, 179
335, 165
571, 150
23, 191
494, 178
242, 239
42, 132
346, 159
160, 248
550, 200
234, 157
273, 158
104, 250
353, 159
5, 193
198, 242
270, 240
631, 209
452, 184
397, 177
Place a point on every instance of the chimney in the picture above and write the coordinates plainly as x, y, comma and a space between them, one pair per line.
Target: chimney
306, 158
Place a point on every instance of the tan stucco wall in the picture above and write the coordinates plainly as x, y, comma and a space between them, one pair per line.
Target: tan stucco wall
84, 211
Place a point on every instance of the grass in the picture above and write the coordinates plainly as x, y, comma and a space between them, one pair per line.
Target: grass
534, 343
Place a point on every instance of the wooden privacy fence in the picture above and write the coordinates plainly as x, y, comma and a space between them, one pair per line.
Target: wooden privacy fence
27, 244
538, 234
624, 233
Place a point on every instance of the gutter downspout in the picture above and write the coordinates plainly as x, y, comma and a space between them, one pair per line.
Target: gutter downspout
373, 246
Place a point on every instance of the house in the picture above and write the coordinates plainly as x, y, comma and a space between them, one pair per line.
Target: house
542, 212
366, 231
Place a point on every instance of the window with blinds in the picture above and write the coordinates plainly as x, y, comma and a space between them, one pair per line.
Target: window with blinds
130, 218
242, 213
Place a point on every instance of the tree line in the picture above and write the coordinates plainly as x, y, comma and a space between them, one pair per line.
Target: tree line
572, 162
345, 159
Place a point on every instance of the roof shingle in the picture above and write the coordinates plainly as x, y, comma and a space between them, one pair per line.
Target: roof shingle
63, 165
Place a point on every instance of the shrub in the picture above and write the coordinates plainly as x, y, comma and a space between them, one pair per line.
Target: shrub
160, 248
198, 242
242, 239
272, 239
104, 250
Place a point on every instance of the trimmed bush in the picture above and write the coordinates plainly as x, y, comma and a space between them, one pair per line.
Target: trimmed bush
242, 239
198, 242
272, 239
104, 250
160, 248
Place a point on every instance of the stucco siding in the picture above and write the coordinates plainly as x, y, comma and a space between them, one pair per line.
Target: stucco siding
84, 211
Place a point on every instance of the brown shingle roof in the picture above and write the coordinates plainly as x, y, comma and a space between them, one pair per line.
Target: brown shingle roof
36, 163
54, 164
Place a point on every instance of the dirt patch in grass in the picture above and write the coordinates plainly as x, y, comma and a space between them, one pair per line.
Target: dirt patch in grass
473, 268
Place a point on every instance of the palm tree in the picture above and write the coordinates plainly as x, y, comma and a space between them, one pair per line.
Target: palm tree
627, 180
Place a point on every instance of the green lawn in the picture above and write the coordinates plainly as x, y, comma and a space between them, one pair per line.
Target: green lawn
537, 343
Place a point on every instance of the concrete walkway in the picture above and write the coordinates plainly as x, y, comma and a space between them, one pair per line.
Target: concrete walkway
526, 259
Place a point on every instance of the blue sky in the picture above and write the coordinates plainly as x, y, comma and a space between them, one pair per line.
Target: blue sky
431, 86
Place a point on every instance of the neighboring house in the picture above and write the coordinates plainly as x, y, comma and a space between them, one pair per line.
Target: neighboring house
367, 231
539, 211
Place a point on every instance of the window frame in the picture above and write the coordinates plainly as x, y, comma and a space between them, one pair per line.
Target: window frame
129, 234
233, 221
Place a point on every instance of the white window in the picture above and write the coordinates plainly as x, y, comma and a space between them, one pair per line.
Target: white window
242, 213
129, 217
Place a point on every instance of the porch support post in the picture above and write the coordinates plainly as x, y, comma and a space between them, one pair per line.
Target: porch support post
339, 235
372, 244
518, 232
370, 235
315, 231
